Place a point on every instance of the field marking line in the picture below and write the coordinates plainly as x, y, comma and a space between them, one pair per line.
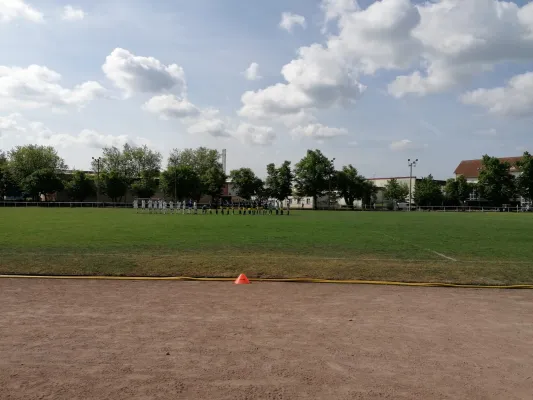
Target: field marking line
274, 257
416, 245
442, 255
287, 280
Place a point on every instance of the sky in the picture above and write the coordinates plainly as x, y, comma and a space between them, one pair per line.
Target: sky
369, 83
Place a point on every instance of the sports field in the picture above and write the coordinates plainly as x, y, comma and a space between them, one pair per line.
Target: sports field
482, 248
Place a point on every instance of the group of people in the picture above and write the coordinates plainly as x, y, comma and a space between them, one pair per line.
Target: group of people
226, 208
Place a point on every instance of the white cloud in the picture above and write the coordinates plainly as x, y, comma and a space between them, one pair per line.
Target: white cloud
11, 123
252, 72
290, 20
170, 106
487, 132
134, 74
461, 39
72, 14
86, 138
318, 131
13, 9
215, 127
335, 8
255, 134
317, 79
514, 99
36, 132
38, 86
406, 144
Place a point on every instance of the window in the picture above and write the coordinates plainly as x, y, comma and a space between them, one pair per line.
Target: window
474, 195
308, 201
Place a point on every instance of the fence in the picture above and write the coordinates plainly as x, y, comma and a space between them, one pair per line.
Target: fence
69, 204
85, 204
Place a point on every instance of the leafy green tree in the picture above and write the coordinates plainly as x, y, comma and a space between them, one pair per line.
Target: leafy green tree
278, 183
213, 181
139, 167
350, 184
204, 162
142, 163
395, 191
80, 186
181, 183
8, 186
369, 193
495, 183
23, 161
428, 192
113, 184
524, 182
313, 175
146, 186
246, 182
458, 190
41, 182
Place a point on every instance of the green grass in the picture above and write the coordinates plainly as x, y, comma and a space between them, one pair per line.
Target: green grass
488, 248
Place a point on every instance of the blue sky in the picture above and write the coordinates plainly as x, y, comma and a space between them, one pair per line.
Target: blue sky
454, 112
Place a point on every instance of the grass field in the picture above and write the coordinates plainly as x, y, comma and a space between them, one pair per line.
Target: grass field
485, 248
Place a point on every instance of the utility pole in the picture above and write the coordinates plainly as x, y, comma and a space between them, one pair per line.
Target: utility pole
97, 178
411, 164
329, 193
175, 178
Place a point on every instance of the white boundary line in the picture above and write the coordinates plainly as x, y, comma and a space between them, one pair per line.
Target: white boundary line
443, 256
415, 245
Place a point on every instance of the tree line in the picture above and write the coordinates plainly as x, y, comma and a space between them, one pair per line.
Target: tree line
33, 171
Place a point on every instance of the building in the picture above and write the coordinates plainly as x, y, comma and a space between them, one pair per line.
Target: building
470, 169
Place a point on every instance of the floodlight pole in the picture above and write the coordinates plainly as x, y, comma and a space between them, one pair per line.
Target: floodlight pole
97, 178
175, 178
411, 164
329, 193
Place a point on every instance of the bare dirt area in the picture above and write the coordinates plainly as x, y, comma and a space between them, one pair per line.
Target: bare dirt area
87, 339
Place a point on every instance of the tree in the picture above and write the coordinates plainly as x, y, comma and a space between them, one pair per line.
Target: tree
113, 184
246, 182
428, 192
202, 161
80, 186
458, 190
524, 182
180, 183
41, 182
350, 184
139, 167
395, 191
142, 163
8, 186
213, 181
313, 175
146, 186
278, 184
495, 182
24, 161
369, 193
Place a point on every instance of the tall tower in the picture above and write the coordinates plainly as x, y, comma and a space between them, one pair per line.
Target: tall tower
224, 160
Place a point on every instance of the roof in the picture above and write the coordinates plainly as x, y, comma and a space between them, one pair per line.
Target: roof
392, 177
470, 168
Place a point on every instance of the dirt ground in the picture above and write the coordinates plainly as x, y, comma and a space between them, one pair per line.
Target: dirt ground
84, 339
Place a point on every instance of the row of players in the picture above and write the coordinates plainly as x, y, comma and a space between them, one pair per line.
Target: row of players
162, 207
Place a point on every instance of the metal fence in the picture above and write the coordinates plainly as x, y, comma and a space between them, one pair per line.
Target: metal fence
68, 204
86, 204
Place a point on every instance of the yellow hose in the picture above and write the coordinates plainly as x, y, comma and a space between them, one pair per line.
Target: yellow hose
302, 280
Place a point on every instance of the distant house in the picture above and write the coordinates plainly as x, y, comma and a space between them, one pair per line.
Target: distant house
470, 169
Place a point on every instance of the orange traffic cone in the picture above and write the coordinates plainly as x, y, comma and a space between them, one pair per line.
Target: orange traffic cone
242, 280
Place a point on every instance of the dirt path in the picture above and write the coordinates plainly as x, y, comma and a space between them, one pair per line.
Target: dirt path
176, 340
